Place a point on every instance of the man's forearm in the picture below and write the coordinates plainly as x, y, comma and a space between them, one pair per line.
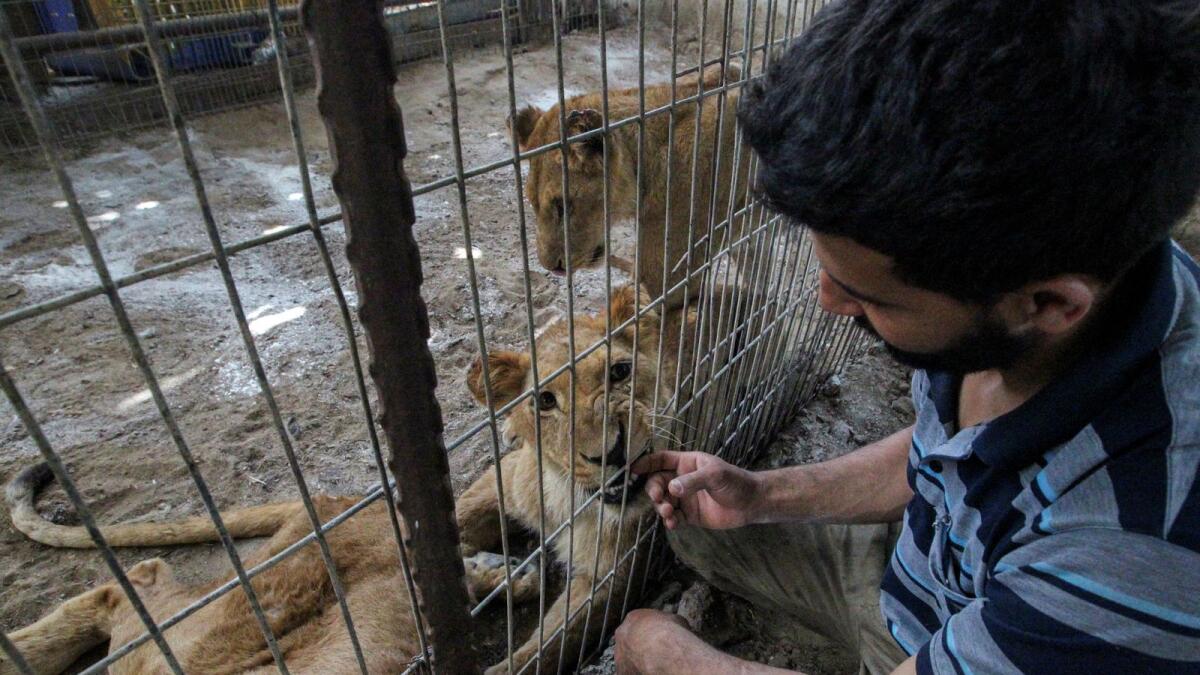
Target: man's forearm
869, 485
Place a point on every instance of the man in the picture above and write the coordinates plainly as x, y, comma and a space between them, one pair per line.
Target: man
990, 187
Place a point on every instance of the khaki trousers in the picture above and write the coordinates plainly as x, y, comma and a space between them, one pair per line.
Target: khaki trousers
826, 577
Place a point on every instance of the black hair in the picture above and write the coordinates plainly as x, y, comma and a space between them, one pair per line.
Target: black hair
986, 144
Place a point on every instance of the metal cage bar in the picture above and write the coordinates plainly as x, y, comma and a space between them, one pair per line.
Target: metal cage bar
14, 655
163, 74
314, 222
37, 117
365, 131
481, 340
89, 522
758, 344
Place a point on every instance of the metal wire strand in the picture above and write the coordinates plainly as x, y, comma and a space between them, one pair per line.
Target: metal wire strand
572, 357
637, 297
52, 157
530, 329
335, 284
481, 340
14, 655
158, 59
85, 515
605, 201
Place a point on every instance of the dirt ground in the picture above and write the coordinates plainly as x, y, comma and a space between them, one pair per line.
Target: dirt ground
73, 367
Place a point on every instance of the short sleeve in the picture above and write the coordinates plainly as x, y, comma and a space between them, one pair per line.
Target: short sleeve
1085, 601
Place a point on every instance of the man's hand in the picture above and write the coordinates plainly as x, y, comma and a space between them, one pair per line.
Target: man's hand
696, 488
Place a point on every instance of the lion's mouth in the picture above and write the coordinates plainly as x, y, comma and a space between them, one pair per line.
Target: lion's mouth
613, 493
615, 457
616, 453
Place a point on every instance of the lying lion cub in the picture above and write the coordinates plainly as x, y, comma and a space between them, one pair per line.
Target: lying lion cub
691, 197
296, 594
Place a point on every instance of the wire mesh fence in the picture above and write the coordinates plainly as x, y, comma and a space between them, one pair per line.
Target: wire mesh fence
711, 341
90, 65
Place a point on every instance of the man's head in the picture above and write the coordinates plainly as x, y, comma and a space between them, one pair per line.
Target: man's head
1006, 156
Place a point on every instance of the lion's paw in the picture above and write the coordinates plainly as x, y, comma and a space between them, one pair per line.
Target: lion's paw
485, 573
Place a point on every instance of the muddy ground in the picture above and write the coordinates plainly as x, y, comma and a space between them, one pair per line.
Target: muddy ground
73, 367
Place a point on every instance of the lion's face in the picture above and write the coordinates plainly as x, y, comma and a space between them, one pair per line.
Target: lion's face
600, 450
582, 205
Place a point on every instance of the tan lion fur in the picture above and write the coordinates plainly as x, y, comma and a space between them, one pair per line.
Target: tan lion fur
296, 594
534, 127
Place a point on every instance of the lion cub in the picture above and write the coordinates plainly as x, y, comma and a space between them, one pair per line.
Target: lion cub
296, 594
692, 198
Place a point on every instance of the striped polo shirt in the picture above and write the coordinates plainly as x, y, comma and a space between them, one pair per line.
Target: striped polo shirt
1064, 536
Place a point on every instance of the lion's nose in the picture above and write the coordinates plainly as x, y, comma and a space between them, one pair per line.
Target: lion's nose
558, 268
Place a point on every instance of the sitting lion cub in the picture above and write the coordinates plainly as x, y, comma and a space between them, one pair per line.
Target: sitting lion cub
691, 197
296, 594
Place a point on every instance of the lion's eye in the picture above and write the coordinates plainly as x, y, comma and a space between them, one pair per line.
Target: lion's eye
546, 401
619, 372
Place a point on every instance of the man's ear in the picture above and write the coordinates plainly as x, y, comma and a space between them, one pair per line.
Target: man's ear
522, 126
583, 121
507, 371
1052, 306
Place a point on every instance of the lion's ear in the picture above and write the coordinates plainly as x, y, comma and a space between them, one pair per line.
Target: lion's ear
583, 121
522, 126
507, 373
624, 302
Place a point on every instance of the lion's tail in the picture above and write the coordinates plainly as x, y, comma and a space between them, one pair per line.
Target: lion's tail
256, 521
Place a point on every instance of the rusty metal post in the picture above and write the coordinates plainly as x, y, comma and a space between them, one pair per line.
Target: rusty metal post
355, 77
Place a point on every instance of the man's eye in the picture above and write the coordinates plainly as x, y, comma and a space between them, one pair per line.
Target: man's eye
546, 401
619, 372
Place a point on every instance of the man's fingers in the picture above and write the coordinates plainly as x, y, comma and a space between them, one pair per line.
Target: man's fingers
656, 486
663, 460
664, 510
704, 478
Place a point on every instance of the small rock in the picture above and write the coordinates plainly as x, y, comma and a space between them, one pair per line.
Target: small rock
667, 595
294, 428
779, 660
148, 334
832, 387
694, 602
903, 405
10, 289
841, 431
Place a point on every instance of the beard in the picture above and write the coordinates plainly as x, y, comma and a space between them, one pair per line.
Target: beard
987, 345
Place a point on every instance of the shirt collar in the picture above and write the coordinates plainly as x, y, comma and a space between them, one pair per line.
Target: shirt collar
1064, 407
